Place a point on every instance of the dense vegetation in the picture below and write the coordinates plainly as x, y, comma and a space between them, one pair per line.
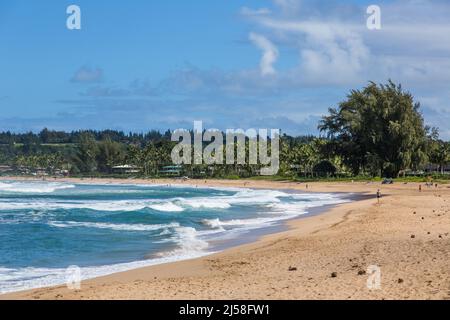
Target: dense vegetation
376, 131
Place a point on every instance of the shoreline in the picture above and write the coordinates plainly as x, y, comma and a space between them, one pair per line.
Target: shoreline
217, 274
215, 246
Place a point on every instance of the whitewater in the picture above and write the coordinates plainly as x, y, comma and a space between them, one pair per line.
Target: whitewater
46, 227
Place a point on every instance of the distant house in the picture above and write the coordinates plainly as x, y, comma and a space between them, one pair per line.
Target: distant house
171, 170
5, 169
434, 168
59, 172
40, 172
24, 170
126, 169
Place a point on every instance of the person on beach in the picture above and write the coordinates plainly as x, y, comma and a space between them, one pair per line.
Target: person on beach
378, 196
420, 188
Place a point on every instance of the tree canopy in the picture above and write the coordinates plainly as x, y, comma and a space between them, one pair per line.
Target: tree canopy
379, 129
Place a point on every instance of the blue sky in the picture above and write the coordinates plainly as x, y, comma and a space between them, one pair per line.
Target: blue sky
140, 65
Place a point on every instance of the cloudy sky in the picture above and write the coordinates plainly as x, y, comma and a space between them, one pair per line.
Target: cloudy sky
139, 65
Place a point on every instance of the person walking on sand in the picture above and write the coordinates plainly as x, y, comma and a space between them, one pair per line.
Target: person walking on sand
378, 196
420, 188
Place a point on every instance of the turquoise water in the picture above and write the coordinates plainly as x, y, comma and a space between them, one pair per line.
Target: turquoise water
46, 227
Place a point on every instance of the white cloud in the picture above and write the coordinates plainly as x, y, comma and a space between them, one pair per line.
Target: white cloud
288, 6
335, 47
270, 53
245, 11
86, 74
329, 52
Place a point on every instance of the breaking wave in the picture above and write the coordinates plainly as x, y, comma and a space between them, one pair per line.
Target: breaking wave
33, 187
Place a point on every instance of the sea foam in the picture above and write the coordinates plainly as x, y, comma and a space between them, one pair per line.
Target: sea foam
33, 187
112, 226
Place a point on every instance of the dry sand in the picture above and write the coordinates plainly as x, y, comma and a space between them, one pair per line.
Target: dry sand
406, 236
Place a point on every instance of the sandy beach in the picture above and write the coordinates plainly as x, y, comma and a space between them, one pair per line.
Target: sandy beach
325, 256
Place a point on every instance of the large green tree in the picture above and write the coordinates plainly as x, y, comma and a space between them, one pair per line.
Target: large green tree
110, 153
87, 152
378, 129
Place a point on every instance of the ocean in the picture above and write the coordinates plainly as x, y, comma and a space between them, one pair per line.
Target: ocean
46, 227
